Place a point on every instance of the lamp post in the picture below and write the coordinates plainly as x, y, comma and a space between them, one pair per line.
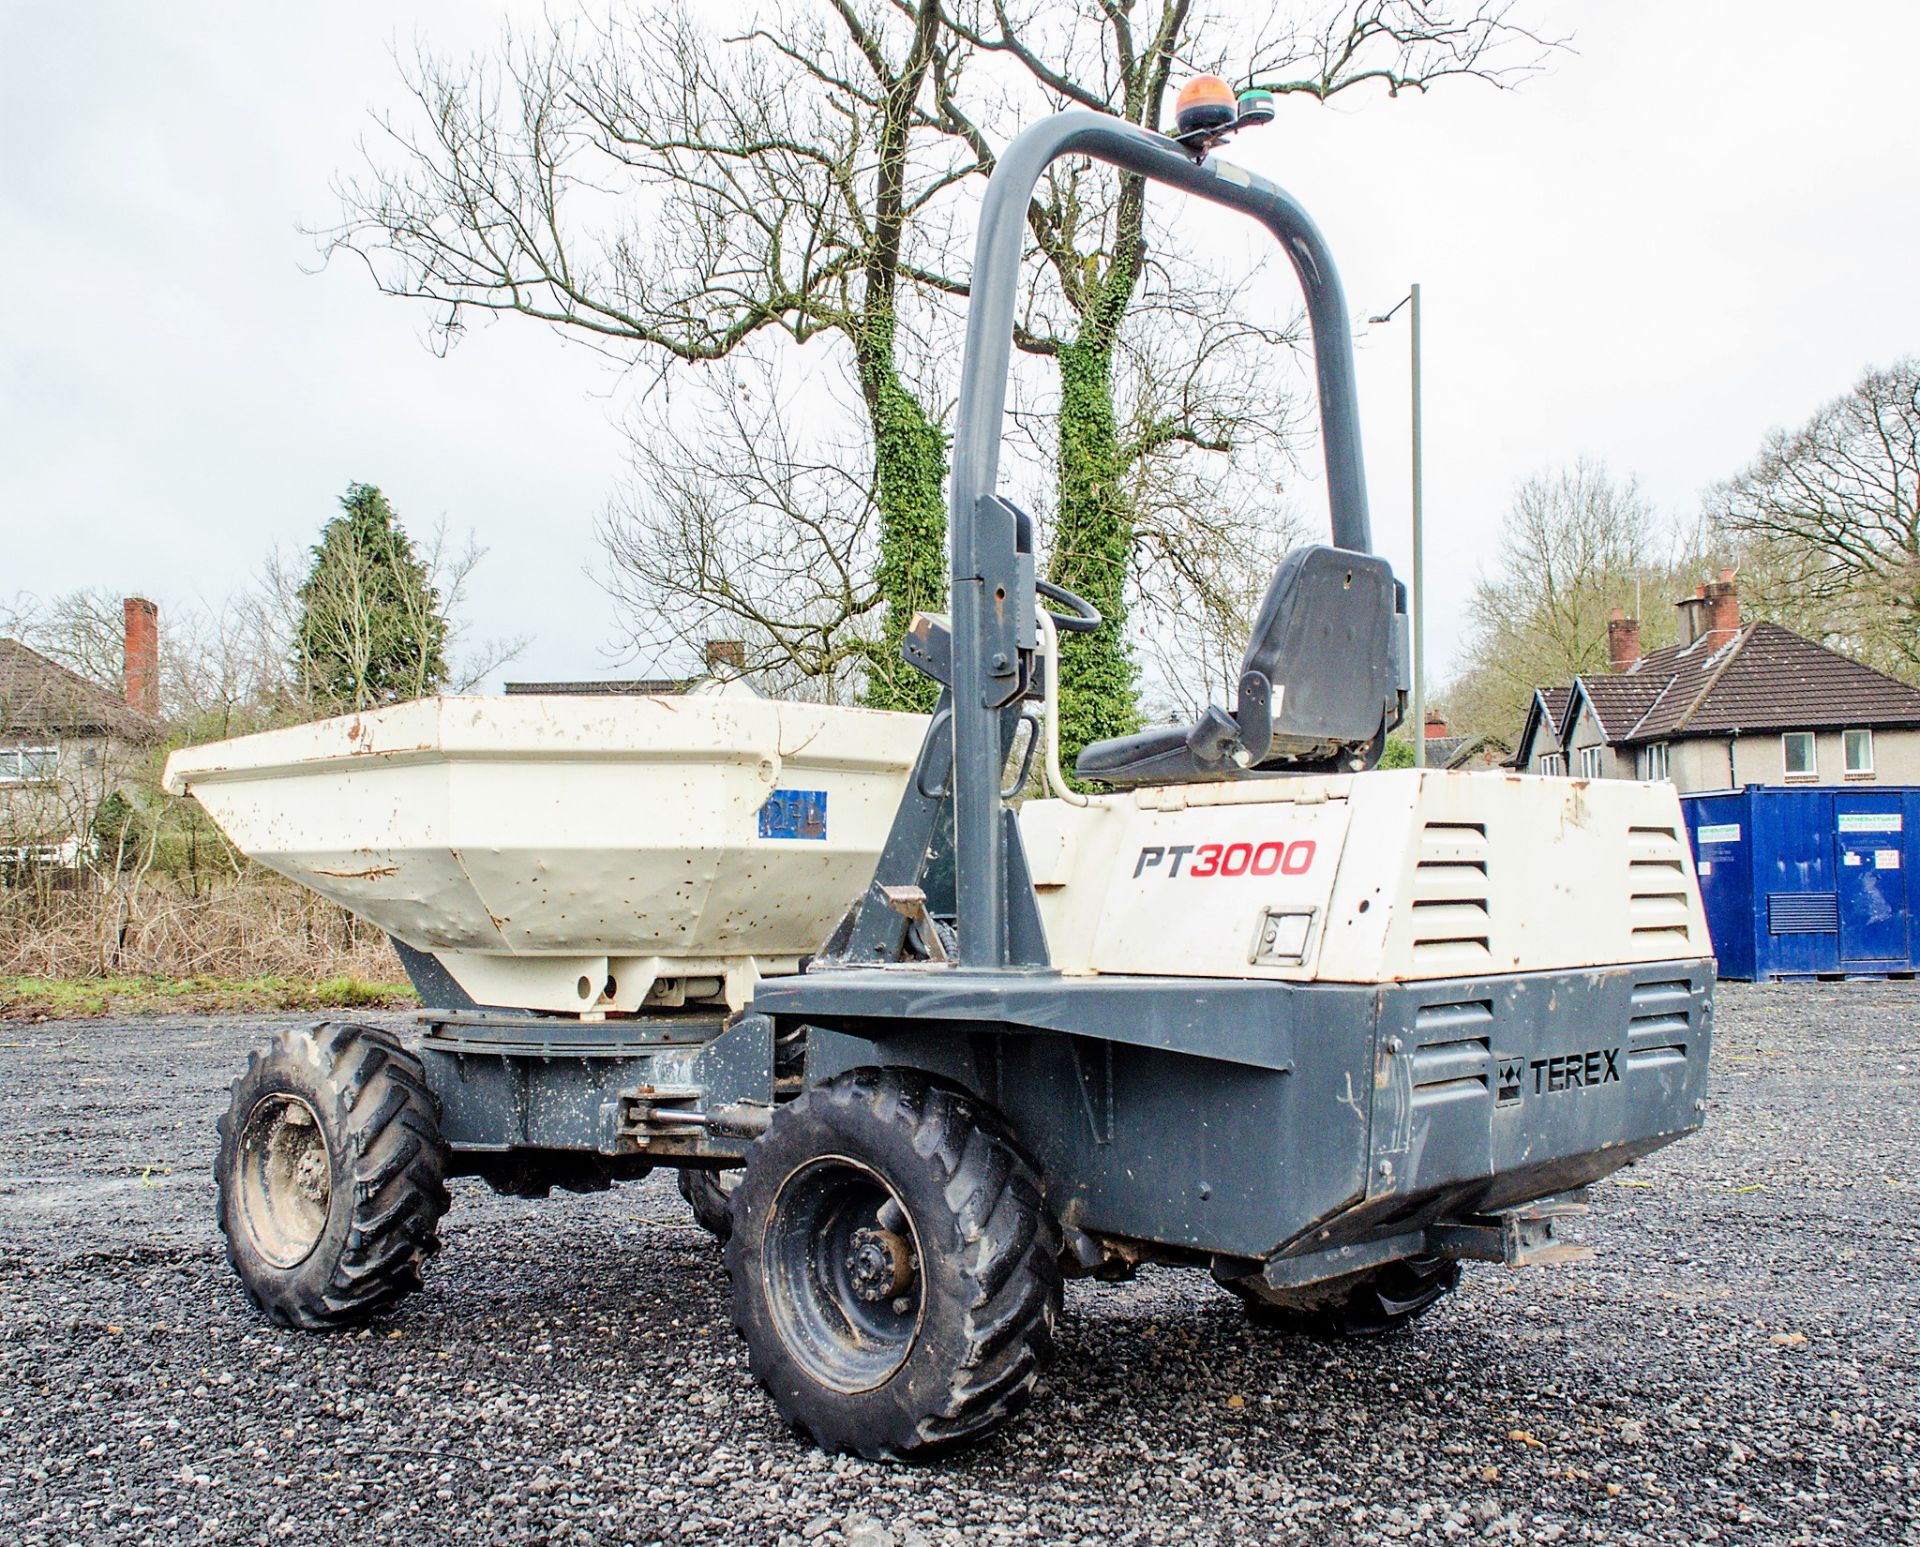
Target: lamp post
1418, 589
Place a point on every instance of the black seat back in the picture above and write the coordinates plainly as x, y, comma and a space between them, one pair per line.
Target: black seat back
1320, 684
1324, 668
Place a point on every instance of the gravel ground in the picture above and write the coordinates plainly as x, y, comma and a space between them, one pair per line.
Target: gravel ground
1741, 1364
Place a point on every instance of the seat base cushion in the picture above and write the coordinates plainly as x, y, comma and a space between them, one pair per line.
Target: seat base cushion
1208, 752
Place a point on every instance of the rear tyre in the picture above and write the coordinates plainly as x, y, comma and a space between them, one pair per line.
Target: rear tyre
710, 1195
331, 1176
894, 1266
1360, 1305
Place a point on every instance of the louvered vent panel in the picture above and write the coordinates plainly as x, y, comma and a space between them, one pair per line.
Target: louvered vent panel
1803, 913
1659, 1023
1451, 922
1657, 911
1453, 1052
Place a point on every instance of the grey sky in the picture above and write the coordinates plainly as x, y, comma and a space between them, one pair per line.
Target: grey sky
1700, 225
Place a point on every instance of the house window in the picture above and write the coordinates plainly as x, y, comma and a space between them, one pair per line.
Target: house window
36, 855
1552, 764
1797, 755
28, 765
1655, 762
1592, 762
1857, 754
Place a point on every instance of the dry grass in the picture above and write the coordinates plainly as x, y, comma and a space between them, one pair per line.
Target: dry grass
253, 927
142, 945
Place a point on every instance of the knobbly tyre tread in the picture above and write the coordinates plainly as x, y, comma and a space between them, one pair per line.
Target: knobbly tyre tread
1007, 1229
1002, 1245
1363, 1305
388, 1178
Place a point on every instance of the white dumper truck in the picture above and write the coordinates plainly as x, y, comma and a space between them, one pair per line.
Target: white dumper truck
1253, 1005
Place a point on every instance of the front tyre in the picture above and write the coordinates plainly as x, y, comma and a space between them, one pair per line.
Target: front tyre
331, 1176
1360, 1305
894, 1266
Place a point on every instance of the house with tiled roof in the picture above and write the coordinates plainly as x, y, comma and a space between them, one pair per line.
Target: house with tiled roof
1446, 750
1546, 715
1732, 704
67, 743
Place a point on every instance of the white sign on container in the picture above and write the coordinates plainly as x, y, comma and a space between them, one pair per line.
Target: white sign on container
1869, 821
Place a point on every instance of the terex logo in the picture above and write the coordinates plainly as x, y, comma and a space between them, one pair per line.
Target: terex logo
1226, 859
1574, 1071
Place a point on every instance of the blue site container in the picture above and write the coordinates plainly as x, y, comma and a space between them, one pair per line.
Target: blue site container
1807, 882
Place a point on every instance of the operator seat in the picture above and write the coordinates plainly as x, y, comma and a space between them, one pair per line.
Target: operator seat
1320, 684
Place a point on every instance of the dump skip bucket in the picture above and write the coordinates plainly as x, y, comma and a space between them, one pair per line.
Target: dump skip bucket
571, 853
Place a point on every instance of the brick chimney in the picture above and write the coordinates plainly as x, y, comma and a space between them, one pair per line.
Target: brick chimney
1623, 642
1436, 726
1723, 607
140, 670
726, 655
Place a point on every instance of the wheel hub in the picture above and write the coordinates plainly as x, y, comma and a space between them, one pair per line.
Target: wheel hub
285, 1183
842, 1265
880, 1265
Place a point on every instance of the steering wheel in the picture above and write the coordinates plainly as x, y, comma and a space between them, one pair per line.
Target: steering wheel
1084, 618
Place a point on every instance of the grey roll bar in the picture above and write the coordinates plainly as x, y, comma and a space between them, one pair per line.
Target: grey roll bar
991, 591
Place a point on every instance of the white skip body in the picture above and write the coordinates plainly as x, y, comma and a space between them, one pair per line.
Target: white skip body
1381, 877
575, 854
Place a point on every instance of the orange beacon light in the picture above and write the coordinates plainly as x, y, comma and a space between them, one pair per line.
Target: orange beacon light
1205, 103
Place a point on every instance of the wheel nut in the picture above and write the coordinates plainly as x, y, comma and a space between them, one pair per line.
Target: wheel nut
880, 1265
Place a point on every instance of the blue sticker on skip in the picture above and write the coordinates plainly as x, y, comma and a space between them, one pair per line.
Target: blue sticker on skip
794, 814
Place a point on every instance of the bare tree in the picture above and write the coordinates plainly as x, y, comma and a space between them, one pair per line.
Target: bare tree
1575, 544
669, 193
84, 630
745, 516
1398, 46
222, 664
1092, 239
1825, 523
1210, 434
223, 668
451, 557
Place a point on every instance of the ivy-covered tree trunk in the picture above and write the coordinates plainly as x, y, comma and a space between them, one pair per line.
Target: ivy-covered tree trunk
910, 464
909, 448
1092, 546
